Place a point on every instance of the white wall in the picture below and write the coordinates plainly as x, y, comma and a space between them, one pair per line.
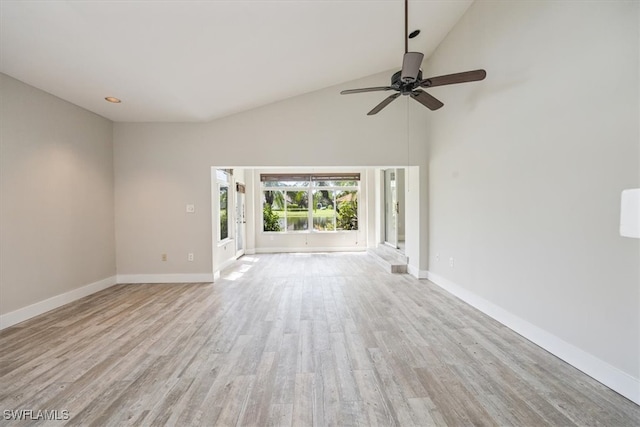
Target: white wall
526, 170
417, 192
56, 209
160, 167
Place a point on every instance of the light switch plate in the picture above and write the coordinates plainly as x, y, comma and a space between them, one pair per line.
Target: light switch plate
630, 213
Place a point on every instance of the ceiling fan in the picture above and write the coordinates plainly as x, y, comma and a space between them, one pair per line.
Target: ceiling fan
409, 81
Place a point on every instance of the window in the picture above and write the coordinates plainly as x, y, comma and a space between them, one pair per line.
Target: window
222, 177
322, 202
224, 212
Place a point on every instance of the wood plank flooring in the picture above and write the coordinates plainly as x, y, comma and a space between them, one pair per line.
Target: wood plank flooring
291, 340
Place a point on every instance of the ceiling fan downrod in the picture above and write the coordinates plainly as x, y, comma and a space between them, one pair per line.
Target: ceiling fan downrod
406, 26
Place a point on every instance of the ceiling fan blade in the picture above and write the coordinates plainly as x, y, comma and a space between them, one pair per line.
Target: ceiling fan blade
411, 66
427, 100
383, 104
366, 89
450, 79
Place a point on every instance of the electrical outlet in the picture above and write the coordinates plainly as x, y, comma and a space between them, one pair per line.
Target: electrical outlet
451, 262
164, 257
437, 257
190, 257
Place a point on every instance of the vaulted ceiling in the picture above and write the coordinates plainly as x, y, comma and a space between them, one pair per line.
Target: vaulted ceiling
201, 60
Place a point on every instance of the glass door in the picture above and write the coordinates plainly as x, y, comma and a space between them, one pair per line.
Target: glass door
240, 219
391, 208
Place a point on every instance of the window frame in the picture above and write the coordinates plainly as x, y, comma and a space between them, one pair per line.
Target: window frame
223, 180
310, 188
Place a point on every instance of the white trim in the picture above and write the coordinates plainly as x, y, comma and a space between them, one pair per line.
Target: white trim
165, 278
609, 375
25, 313
225, 242
390, 245
416, 272
275, 250
227, 263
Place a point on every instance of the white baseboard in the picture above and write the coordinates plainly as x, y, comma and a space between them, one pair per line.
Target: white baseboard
609, 375
227, 263
311, 249
416, 272
41, 307
165, 278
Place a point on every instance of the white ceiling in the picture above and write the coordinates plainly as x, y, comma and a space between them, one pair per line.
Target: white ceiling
201, 60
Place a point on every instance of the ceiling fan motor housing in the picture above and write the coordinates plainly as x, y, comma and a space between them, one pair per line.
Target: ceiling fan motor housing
405, 88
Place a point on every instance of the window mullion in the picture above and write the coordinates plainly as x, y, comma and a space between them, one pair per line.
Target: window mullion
335, 210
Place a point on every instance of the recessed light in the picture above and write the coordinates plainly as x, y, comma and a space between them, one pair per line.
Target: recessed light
113, 100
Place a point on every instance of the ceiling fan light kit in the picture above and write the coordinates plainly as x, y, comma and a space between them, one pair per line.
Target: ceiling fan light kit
411, 67
408, 80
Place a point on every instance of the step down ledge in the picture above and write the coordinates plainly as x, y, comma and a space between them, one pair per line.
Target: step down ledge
389, 259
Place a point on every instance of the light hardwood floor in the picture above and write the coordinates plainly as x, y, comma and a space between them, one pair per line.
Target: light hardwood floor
292, 339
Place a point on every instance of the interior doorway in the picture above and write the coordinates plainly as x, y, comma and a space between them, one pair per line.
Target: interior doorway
394, 208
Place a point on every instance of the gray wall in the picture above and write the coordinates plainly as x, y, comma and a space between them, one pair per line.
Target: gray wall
160, 167
526, 169
56, 196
